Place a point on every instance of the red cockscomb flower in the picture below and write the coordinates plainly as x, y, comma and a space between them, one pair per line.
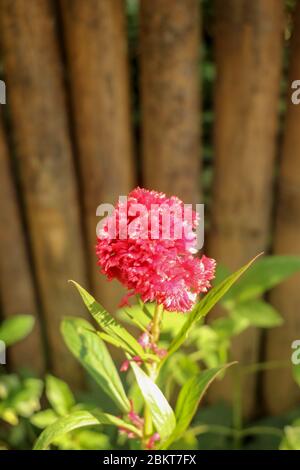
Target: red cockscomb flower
151, 252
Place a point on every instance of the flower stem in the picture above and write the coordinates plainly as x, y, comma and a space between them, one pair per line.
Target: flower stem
155, 333
157, 318
148, 428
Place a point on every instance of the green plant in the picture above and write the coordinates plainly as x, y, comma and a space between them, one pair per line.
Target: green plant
291, 434
161, 423
19, 394
153, 379
62, 403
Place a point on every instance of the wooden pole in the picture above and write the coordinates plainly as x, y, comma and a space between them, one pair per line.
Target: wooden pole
16, 283
280, 391
96, 44
170, 102
34, 77
248, 46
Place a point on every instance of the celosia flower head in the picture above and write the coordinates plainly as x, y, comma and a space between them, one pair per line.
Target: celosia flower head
151, 250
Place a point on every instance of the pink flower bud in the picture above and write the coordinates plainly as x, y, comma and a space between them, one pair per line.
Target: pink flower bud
151, 443
144, 340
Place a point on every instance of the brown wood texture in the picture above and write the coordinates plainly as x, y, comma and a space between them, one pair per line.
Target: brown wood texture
96, 44
16, 283
34, 78
248, 47
280, 391
170, 102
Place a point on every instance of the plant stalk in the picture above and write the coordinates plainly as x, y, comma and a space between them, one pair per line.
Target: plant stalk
156, 322
155, 334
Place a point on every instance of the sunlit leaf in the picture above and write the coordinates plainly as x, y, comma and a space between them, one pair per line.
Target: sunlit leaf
291, 440
188, 401
226, 327
265, 274
44, 418
59, 395
16, 328
90, 350
205, 305
109, 324
258, 313
76, 420
160, 410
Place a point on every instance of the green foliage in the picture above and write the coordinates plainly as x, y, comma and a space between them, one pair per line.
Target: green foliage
56, 431
62, 430
244, 305
90, 350
109, 325
265, 274
19, 394
16, 328
296, 373
161, 412
59, 395
205, 305
291, 439
87, 345
64, 425
18, 397
154, 378
256, 313
188, 401
44, 418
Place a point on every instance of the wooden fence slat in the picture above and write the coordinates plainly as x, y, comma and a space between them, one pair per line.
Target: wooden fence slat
170, 88
248, 46
37, 103
280, 391
99, 83
16, 283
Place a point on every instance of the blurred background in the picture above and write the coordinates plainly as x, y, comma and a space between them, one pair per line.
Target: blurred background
188, 97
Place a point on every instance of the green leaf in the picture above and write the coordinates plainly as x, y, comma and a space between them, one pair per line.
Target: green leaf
204, 306
75, 420
83, 341
109, 324
44, 418
87, 439
221, 273
258, 313
212, 347
24, 399
184, 367
296, 372
265, 274
134, 315
291, 440
226, 327
16, 328
160, 410
59, 395
109, 339
188, 401
172, 322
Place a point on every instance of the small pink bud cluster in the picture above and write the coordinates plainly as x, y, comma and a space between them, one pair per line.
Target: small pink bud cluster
151, 443
138, 422
146, 343
125, 365
135, 419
